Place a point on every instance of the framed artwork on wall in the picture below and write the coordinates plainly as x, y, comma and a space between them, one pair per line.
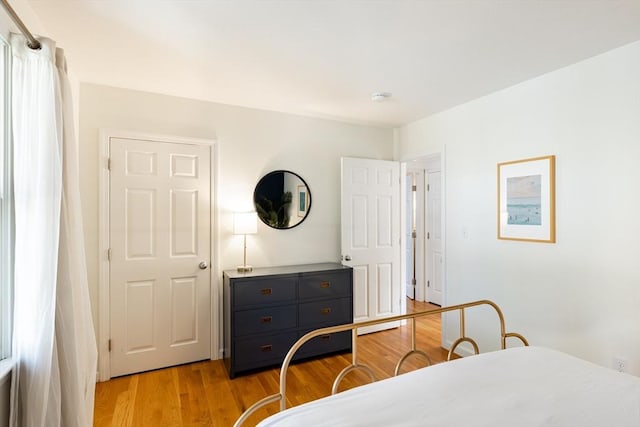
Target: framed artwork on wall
303, 200
526, 200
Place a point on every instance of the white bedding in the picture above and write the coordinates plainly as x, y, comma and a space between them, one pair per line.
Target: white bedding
525, 386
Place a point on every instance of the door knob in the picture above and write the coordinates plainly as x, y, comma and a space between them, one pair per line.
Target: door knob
347, 257
203, 265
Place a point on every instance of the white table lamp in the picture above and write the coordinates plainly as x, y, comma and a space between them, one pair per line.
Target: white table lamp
245, 223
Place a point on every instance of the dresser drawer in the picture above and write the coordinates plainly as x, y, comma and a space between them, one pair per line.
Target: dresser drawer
325, 344
329, 284
265, 320
264, 291
327, 312
264, 350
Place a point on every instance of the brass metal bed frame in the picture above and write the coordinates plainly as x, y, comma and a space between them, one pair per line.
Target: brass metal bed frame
355, 365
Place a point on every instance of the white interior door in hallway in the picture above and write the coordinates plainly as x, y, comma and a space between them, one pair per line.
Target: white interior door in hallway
434, 234
160, 250
414, 233
370, 225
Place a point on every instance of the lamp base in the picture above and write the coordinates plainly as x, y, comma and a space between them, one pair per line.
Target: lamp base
244, 268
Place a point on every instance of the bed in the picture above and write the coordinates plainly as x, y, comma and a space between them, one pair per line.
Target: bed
523, 386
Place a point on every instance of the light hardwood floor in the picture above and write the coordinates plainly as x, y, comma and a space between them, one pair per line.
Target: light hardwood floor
201, 394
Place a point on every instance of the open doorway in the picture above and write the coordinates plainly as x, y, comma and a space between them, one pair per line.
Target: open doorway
423, 254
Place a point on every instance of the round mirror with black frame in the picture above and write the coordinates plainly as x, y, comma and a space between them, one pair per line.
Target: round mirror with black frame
282, 199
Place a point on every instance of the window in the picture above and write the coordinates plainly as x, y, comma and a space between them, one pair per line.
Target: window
6, 205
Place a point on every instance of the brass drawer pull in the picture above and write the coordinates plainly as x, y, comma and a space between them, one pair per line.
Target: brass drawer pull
325, 337
325, 285
266, 348
266, 319
266, 291
325, 311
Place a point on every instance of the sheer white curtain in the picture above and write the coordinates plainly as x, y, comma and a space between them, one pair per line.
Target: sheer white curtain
53, 341
75, 336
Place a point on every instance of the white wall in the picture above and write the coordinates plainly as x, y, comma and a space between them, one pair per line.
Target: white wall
250, 143
582, 294
27, 15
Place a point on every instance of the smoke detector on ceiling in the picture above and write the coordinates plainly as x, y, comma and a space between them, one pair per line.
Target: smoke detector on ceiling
380, 96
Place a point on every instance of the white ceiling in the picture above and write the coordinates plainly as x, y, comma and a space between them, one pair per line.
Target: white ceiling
325, 58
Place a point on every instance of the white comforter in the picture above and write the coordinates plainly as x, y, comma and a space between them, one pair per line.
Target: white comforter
528, 386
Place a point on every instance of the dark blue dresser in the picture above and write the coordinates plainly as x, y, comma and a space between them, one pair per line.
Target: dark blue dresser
268, 309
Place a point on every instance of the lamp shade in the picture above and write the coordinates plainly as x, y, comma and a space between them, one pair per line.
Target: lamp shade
245, 223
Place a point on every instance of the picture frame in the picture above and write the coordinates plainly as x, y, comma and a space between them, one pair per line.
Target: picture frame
303, 200
526, 200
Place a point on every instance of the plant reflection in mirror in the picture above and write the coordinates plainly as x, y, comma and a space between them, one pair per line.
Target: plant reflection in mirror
275, 214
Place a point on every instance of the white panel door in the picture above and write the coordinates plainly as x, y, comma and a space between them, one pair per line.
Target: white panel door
160, 222
409, 249
371, 237
416, 223
434, 230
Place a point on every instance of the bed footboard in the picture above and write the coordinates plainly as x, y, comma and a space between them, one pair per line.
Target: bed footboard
355, 365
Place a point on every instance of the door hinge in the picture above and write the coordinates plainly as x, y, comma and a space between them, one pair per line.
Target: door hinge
109, 163
109, 254
109, 344
428, 235
428, 284
414, 188
428, 187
